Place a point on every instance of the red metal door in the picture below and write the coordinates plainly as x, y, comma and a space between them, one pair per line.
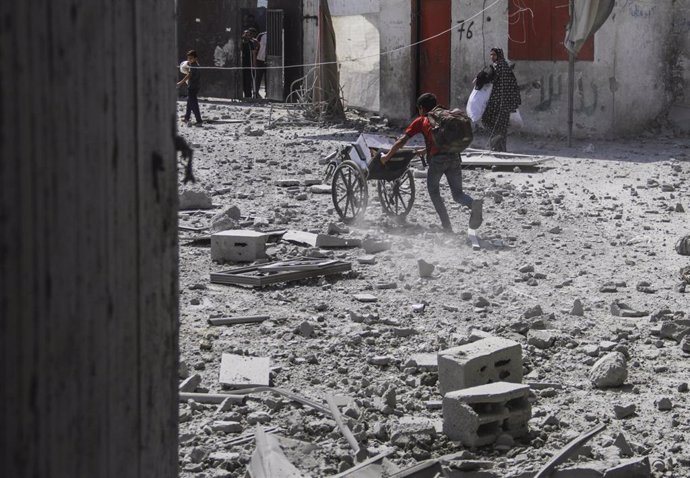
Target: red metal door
434, 55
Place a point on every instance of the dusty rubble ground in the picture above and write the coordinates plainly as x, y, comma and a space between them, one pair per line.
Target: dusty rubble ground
598, 224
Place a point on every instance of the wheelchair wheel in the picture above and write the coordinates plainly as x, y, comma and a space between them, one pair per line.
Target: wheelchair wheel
349, 191
397, 196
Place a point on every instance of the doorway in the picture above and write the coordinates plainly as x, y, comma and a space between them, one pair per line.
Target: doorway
433, 68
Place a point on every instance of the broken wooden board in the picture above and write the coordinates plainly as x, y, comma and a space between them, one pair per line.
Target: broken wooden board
257, 277
212, 397
242, 371
304, 265
481, 157
247, 319
319, 240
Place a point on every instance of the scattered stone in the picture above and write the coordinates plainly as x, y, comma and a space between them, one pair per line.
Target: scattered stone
541, 339
621, 309
306, 329
425, 269
533, 312
226, 426
577, 309
372, 246
679, 208
367, 259
685, 344
611, 370
195, 199
465, 295
623, 446
664, 404
365, 298
526, 268
191, 383
608, 287
226, 220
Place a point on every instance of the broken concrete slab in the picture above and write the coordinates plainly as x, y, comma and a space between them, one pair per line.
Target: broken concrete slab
487, 360
372, 246
196, 198
633, 468
319, 240
477, 416
242, 371
424, 361
239, 245
190, 384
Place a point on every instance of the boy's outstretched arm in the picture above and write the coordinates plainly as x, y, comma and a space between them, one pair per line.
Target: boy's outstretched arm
395, 148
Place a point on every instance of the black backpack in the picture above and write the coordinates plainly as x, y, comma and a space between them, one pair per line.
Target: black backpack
451, 129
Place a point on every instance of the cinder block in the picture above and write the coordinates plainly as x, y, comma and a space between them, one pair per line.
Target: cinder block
489, 360
238, 245
477, 416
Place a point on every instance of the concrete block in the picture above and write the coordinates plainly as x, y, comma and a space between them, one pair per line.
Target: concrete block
238, 245
488, 360
241, 371
477, 416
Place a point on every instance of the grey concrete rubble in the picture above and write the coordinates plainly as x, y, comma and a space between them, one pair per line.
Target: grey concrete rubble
570, 314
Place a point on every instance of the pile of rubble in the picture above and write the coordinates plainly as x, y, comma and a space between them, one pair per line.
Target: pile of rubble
311, 348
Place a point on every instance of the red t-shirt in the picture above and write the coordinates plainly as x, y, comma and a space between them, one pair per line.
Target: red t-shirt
422, 125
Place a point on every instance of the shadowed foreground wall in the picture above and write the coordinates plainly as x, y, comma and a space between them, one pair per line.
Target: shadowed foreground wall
88, 253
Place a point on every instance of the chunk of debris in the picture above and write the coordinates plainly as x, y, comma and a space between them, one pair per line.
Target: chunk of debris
425, 269
477, 416
241, 371
194, 198
621, 309
372, 246
319, 240
226, 220
487, 360
240, 245
611, 370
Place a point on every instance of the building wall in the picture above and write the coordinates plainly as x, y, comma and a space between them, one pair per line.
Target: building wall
679, 71
88, 240
398, 69
621, 91
358, 38
356, 25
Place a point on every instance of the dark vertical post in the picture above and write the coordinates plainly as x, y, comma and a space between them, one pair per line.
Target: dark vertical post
88, 250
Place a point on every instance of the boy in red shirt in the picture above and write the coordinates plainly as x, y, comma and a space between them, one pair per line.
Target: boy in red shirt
448, 164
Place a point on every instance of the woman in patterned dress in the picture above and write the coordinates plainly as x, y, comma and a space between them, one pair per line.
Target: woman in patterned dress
504, 99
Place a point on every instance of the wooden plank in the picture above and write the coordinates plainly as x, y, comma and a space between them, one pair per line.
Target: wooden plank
248, 276
247, 319
211, 397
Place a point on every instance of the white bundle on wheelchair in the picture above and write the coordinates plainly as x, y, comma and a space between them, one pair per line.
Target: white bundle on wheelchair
477, 102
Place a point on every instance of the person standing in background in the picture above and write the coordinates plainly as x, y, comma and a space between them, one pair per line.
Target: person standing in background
249, 49
193, 81
260, 64
504, 99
